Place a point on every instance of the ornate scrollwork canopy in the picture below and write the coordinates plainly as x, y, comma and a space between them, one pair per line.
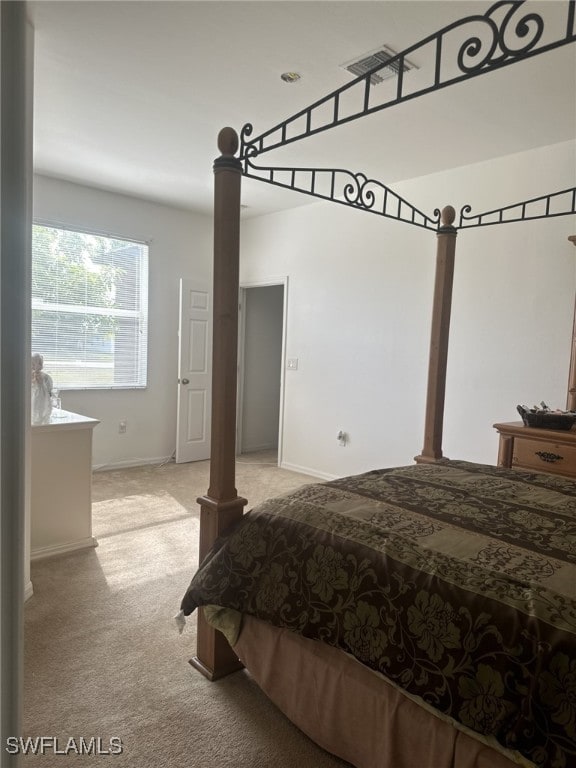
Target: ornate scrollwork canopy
470, 47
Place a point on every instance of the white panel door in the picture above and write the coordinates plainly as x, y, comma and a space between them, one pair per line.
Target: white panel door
194, 372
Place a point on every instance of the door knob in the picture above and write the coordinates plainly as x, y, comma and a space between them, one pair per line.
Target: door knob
185, 381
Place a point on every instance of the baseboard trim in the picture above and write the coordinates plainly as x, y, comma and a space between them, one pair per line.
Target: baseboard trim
63, 549
307, 471
131, 463
261, 447
28, 591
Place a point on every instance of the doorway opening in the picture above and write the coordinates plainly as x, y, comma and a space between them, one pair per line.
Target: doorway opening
261, 329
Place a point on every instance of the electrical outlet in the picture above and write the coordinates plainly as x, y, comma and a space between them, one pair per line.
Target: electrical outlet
292, 363
122, 426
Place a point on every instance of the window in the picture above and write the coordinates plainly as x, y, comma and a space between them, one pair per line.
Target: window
89, 308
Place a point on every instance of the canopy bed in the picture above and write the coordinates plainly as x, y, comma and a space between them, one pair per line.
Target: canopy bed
410, 616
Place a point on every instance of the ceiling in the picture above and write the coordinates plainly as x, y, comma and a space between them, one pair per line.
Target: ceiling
130, 95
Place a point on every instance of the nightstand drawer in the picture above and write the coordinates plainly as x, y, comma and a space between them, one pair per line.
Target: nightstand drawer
544, 456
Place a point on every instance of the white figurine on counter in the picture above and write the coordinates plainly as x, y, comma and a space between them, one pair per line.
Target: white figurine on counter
41, 391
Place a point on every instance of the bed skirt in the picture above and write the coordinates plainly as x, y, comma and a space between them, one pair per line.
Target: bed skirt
351, 711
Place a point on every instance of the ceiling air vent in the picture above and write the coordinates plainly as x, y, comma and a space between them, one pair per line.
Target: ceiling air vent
368, 61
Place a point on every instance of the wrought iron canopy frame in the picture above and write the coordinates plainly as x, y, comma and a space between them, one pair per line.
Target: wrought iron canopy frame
504, 35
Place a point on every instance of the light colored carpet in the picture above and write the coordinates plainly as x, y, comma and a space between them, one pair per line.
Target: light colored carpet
103, 657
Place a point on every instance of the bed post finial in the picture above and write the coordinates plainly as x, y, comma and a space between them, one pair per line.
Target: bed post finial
433, 427
221, 506
228, 141
447, 217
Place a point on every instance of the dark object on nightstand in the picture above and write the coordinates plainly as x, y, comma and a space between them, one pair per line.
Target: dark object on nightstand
543, 419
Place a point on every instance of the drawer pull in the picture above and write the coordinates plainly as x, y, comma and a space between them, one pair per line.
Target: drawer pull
548, 457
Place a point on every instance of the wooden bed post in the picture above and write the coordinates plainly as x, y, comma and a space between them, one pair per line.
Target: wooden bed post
221, 506
571, 401
446, 248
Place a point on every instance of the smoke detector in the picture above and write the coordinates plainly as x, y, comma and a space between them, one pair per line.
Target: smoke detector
363, 64
290, 77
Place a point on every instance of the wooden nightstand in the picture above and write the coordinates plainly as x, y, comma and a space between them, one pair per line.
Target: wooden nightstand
542, 450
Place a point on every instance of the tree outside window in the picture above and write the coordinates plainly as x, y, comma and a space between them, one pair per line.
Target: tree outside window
90, 308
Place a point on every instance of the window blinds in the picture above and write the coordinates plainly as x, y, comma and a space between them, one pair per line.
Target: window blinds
89, 308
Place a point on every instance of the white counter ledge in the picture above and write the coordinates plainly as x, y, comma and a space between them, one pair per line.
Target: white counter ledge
61, 487
60, 419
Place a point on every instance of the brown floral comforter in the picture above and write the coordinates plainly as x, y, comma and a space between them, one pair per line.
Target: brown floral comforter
457, 581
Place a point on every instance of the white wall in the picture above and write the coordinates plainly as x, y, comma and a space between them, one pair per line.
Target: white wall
180, 245
359, 316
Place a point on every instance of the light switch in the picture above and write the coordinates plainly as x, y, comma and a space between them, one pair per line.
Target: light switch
292, 363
